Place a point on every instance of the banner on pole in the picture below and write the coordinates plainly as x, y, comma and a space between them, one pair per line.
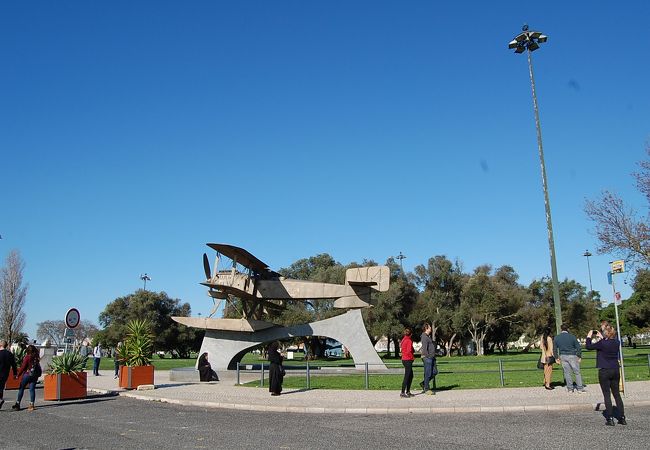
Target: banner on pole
617, 298
618, 266
609, 277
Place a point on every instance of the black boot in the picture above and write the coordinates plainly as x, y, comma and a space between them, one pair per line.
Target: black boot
15, 407
610, 422
622, 421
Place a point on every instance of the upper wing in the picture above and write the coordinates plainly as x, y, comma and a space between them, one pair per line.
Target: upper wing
246, 259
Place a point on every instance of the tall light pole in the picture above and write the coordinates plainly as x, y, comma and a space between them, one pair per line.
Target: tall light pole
587, 254
401, 258
528, 41
145, 278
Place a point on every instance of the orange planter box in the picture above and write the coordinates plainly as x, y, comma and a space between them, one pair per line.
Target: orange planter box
132, 377
11, 383
64, 386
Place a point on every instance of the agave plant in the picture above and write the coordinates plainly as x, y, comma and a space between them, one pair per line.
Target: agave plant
19, 354
138, 345
67, 363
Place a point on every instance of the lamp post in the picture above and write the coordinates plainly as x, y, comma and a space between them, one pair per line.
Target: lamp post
529, 41
145, 278
587, 254
401, 258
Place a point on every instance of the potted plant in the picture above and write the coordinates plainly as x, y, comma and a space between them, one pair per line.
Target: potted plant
135, 355
12, 383
65, 378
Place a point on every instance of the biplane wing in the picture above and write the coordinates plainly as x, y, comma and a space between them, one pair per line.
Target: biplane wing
245, 258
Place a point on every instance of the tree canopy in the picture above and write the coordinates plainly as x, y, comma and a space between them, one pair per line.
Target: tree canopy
158, 308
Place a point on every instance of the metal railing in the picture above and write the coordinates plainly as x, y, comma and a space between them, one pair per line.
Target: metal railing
501, 369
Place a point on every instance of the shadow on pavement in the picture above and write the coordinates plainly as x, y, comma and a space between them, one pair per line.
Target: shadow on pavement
86, 401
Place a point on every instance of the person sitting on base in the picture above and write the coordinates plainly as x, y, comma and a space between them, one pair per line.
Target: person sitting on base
205, 369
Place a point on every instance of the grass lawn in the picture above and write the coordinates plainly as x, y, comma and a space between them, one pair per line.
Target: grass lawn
463, 372
159, 363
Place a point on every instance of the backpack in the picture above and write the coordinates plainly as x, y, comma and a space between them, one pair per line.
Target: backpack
35, 371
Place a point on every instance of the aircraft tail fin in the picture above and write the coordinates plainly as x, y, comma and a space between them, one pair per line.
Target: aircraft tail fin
377, 277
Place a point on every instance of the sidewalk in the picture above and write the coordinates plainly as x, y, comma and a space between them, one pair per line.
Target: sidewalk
225, 394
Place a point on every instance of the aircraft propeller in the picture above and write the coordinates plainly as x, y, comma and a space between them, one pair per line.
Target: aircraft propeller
206, 267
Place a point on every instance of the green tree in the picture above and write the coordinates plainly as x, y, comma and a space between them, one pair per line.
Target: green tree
487, 304
638, 305
158, 308
441, 283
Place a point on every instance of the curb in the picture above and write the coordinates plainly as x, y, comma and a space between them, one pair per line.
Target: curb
371, 411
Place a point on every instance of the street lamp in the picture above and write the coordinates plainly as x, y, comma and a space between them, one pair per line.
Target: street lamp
587, 254
401, 258
530, 40
145, 278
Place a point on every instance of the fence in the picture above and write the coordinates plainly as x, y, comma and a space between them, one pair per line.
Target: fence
497, 367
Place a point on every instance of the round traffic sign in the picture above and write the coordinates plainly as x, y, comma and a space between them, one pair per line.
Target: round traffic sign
72, 318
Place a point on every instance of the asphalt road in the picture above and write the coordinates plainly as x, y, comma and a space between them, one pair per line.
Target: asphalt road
111, 422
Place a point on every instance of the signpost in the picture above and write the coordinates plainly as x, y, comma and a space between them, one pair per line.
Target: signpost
618, 266
72, 320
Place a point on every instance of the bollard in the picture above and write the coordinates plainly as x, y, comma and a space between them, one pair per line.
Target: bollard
501, 373
367, 387
262, 376
238, 383
308, 377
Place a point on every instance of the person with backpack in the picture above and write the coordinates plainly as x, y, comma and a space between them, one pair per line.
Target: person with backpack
30, 370
7, 363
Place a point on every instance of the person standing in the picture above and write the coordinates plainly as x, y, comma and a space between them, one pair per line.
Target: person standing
7, 363
406, 346
276, 371
568, 352
547, 359
428, 353
97, 355
607, 362
116, 359
30, 370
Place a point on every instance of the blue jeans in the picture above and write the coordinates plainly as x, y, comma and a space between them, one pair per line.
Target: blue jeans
27, 379
96, 366
571, 366
428, 372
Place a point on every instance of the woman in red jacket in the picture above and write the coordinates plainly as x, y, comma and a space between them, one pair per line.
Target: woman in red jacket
407, 360
30, 370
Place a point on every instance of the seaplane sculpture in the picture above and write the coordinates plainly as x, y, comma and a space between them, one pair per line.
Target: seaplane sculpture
260, 289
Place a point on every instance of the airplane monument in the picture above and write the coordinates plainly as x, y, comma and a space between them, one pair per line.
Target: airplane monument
260, 290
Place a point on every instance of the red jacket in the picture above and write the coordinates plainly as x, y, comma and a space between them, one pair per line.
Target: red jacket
407, 348
25, 366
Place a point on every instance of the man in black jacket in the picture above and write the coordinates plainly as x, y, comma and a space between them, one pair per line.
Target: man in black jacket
428, 354
7, 362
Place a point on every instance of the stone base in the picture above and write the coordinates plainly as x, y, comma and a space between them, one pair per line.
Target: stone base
226, 348
184, 374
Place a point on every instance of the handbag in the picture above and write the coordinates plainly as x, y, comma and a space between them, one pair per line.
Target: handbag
540, 364
550, 360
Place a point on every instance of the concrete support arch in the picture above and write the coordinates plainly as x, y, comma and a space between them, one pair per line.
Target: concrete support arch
226, 348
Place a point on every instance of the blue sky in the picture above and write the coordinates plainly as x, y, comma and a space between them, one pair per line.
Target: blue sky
132, 133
